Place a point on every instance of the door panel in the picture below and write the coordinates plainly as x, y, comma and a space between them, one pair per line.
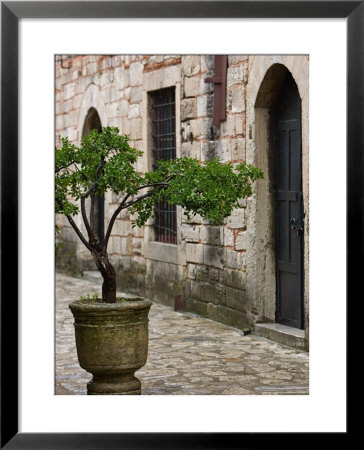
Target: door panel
289, 210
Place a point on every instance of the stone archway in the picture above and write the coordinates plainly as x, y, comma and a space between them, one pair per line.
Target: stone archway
266, 74
92, 98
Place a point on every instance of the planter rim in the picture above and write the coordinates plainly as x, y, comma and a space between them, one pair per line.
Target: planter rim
134, 303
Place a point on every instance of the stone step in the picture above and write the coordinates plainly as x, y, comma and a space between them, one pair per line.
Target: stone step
292, 337
92, 275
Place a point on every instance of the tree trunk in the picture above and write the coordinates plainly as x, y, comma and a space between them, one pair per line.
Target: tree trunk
108, 274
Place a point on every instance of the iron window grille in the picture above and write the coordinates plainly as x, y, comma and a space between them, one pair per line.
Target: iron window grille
164, 148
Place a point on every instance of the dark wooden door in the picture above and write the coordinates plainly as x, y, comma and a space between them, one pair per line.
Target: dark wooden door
289, 207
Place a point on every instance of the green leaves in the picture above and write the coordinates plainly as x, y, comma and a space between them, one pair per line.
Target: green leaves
105, 161
211, 190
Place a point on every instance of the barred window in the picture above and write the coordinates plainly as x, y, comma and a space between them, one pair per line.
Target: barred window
164, 147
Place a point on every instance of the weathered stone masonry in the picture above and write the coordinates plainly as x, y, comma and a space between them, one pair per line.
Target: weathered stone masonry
208, 266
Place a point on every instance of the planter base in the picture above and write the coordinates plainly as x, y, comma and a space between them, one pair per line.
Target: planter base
114, 384
112, 343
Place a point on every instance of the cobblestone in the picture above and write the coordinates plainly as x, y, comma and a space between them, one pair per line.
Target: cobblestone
187, 354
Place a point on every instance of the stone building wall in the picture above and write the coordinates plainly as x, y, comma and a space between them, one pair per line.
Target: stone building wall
208, 265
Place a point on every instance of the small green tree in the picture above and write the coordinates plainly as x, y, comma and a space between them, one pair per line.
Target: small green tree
105, 161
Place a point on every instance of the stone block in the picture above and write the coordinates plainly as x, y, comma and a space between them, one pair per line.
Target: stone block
211, 235
222, 150
91, 68
236, 75
125, 246
126, 228
104, 78
194, 86
235, 279
202, 105
231, 259
204, 292
241, 241
190, 233
202, 273
137, 245
136, 70
116, 60
115, 244
238, 99
155, 59
236, 59
191, 65
236, 219
195, 253
192, 150
136, 94
133, 111
186, 135
68, 90
113, 109
135, 128
215, 275
67, 106
240, 124
207, 151
76, 101
59, 122
207, 63
236, 299
227, 316
192, 271
220, 294
126, 126
201, 128
137, 231
188, 108
125, 262
227, 128
71, 133
238, 149
213, 256
126, 93
227, 237
115, 94
121, 77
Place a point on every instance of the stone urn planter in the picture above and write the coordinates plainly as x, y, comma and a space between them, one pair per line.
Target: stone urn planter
112, 343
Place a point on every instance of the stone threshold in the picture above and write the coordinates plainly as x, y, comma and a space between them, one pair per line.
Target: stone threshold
292, 337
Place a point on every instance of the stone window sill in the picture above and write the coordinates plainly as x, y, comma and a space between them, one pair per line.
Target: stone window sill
168, 253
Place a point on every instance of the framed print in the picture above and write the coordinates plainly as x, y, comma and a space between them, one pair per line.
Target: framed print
32, 33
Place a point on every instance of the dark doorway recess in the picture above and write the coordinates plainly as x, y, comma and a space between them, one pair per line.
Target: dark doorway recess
93, 122
289, 216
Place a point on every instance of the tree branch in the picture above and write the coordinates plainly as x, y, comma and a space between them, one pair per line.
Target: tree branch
124, 205
92, 209
75, 227
112, 220
85, 221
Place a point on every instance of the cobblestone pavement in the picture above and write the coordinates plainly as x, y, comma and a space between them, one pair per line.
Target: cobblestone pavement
187, 354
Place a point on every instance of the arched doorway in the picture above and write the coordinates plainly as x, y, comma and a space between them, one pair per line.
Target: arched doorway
93, 122
288, 204
276, 244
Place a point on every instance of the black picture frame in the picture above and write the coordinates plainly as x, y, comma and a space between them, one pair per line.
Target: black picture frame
11, 12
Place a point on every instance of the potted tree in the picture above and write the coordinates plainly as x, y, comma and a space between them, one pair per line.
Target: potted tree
111, 333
